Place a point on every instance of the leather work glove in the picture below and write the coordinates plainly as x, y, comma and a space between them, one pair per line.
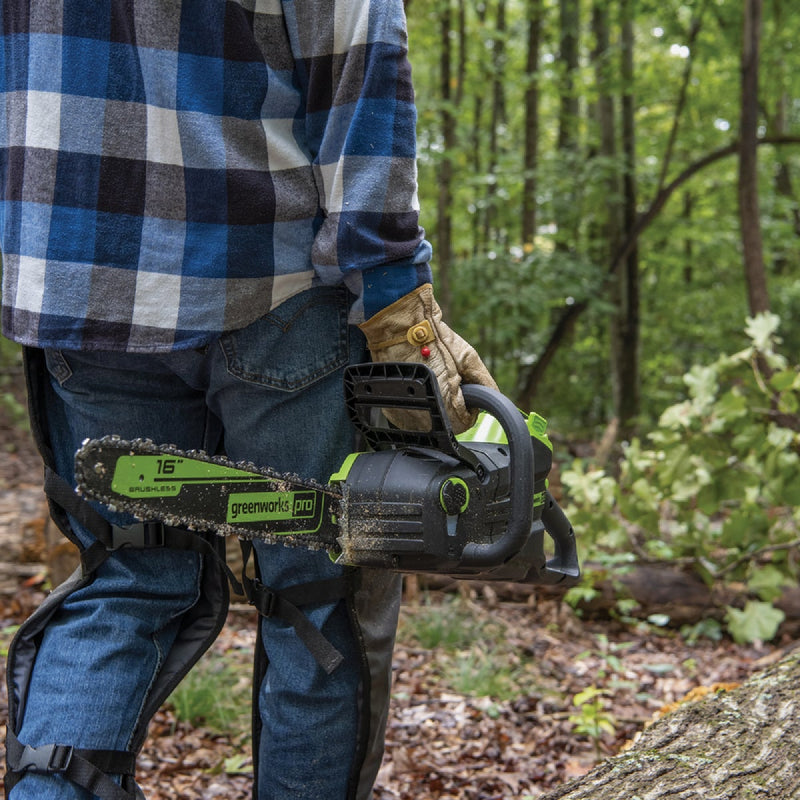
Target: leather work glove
411, 329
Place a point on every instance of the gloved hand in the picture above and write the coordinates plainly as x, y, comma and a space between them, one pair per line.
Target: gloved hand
411, 329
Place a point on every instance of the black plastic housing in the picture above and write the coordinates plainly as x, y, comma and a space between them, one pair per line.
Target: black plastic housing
425, 502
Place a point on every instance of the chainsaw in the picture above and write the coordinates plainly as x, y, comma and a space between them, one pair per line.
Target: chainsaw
471, 506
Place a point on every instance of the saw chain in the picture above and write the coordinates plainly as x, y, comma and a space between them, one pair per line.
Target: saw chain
200, 492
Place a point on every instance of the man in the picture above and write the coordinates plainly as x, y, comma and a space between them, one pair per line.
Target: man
208, 211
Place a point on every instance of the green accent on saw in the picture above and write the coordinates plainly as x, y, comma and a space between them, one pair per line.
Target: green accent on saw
454, 482
488, 429
340, 476
271, 506
537, 425
164, 476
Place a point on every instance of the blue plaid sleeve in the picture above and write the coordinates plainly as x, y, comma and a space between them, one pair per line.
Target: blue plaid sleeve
361, 128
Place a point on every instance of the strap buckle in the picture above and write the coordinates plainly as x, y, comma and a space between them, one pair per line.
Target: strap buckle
139, 535
47, 758
264, 599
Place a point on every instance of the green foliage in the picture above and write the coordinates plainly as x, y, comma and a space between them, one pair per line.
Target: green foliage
593, 717
507, 294
757, 621
479, 672
509, 324
703, 629
715, 484
17, 412
11, 373
216, 695
450, 625
6, 635
10, 355
471, 653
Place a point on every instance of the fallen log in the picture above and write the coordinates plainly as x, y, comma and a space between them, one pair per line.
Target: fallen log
679, 594
729, 745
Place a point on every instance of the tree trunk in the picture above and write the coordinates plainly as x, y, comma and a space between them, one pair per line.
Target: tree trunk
778, 126
730, 745
569, 16
444, 235
688, 248
752, 248
497, 121
609, 234
531, 154
478, 244
566, 213
627, 329
461, 70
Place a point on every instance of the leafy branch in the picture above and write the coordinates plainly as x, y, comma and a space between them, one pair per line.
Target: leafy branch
716, 485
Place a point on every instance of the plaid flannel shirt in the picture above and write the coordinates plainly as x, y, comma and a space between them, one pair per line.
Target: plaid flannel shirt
173, 170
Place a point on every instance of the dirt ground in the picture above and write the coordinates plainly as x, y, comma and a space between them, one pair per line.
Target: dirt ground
441, 743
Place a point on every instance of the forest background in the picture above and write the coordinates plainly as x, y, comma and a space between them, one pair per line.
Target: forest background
610, 189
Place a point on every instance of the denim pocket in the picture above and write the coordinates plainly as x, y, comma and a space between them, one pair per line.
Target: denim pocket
302, 340
57, 365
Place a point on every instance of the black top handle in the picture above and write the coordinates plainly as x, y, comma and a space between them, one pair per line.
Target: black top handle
413, 387
521, 478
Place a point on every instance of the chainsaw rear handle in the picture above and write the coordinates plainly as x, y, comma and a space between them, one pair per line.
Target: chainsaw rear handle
521, 478
564, 563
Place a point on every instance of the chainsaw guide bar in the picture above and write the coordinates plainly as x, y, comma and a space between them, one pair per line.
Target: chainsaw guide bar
153, 481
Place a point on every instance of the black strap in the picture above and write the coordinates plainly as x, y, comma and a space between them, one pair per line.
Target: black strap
90, 769
284, 604
113, 537
62, 494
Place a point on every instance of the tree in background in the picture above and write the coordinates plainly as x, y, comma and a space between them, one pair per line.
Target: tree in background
749, 214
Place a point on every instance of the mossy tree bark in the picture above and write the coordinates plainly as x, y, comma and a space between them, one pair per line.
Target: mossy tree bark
728, 746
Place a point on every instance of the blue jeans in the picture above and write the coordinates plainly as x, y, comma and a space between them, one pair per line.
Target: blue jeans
272, 394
